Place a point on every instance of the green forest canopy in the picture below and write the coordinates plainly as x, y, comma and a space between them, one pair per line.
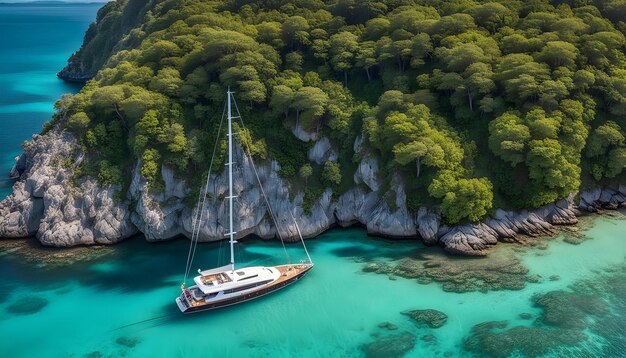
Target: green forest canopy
476, 104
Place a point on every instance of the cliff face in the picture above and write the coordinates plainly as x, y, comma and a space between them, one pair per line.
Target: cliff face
47, 203
59, 211
75, 71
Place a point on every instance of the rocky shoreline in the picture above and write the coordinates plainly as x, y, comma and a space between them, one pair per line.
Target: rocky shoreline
59, 211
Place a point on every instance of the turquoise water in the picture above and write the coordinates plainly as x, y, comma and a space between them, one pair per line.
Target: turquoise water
35, 43
119, 301
122, 303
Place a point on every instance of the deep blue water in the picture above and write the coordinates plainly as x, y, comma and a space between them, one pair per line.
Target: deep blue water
35, 43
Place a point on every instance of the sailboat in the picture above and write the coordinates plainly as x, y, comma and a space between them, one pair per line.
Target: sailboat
228, 285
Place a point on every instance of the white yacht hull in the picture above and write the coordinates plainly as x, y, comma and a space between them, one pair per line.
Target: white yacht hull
289, 275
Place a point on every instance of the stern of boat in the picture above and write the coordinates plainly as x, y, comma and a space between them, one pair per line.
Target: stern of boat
182, 304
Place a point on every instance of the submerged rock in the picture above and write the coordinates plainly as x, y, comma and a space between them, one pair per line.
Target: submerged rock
575, 238
501, 271
569, 309
127, 342
431, 318
488, 339
395, 345
32, 251
388, 325
378, 267
525, 315
27, 305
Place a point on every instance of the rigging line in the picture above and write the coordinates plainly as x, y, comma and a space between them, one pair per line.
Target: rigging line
267, 203
301, 238
196, 225
206, 190
193, 232
196, 221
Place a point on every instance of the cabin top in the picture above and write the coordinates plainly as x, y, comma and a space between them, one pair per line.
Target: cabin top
221, 279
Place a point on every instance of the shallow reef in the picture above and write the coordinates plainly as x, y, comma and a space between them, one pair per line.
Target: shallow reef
502, 270
489, 339
585, 321
429, 317
30, 250
569, 309
128, 342
393, 345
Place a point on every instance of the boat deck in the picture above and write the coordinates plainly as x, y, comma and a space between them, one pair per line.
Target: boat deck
287, 273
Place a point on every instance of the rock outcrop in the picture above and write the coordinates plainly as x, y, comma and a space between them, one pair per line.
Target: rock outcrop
75, 71
47, 203
60, 210
322, 151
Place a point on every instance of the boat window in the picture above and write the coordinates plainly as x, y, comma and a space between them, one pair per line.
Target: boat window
247, 287
240, 273
249, 277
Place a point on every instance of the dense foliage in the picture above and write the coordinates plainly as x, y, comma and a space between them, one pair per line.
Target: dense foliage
473, 103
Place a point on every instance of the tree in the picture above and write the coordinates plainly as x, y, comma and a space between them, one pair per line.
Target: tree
366, 57
79, 122
477, 81
109, 174
616, 162
310, 104
606, 147
421, 47
167, 81
462, 198
343, 47
150, 167
295, 31
459, 57
305, 172
110, 98
492, 16
270, 32
294, 61
331, 174
282, 99
415, 150
603, 137
149, 125
252, 91
508, 137
558, 53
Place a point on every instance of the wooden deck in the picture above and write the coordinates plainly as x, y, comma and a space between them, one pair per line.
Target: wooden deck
289, 271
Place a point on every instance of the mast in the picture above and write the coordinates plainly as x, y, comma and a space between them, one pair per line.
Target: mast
231, 232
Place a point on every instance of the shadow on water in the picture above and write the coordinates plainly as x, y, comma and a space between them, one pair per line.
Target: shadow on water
168, 313
132, 266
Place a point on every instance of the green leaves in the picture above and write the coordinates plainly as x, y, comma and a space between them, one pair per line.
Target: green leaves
537, 84
462, 198
508, 137
331, 174
606, 147
558, 53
